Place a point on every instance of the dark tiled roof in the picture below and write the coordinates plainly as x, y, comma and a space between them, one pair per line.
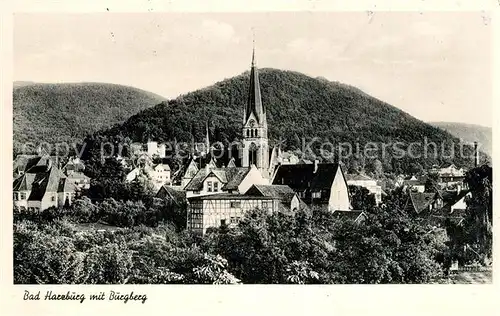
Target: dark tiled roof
177, 195
235, 176
230, 196
357, 177
302, 176
348, 215
282, 192
421, 201
231, 177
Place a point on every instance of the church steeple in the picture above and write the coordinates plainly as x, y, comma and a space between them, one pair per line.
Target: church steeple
254, 102
255, 142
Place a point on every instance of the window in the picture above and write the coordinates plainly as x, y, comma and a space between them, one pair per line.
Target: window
53, 198
234, 220
216, 187
23, 196
236, 204
223, 222
316, 195
209, 186
15, 196
256, 133
265, 204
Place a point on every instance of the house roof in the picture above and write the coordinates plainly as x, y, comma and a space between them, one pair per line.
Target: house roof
177, 195
282, 192
231, 196
358, 177
421, 201
302, 176
235, 176
348, 215
230, 177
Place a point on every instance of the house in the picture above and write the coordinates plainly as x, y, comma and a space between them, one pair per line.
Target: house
214, 180
41, 186
364, 181
24, 162
449, 175
173, 194
354, 216
415, 184
159, 174
73, 165
79, 180
289, 200
316, 184
224, 209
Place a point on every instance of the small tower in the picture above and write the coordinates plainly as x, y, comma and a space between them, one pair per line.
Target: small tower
255, 142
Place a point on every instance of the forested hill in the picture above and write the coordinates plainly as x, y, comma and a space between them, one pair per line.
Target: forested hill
297, 106
67, 112
469, 133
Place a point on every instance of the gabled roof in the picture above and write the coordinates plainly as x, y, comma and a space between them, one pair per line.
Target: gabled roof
282, 192
176, 195
235, 176
349, 215
302, 176
358, 177
421, 201
230, 177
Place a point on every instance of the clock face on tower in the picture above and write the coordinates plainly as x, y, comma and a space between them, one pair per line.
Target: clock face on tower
252, 123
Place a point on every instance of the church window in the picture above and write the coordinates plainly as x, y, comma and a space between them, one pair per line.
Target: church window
252, 154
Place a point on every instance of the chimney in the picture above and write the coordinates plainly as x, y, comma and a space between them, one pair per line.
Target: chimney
476, 155
316, 162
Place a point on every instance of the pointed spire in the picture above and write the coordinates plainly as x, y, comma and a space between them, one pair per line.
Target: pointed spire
253, 48
254, 104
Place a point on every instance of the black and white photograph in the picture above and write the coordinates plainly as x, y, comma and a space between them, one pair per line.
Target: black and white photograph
347, 147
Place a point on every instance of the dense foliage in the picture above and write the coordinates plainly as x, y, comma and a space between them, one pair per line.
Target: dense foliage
67, 112
311, 247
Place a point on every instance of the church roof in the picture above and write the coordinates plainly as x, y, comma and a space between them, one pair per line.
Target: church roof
254, 102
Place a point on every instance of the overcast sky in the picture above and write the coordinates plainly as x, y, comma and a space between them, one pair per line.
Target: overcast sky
435, 66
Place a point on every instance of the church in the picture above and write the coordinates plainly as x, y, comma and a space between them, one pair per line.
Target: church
220, 195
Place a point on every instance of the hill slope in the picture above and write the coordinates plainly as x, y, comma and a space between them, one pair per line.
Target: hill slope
67, 112
469, 133
297, 106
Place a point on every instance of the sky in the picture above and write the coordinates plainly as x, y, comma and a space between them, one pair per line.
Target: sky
434, 65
